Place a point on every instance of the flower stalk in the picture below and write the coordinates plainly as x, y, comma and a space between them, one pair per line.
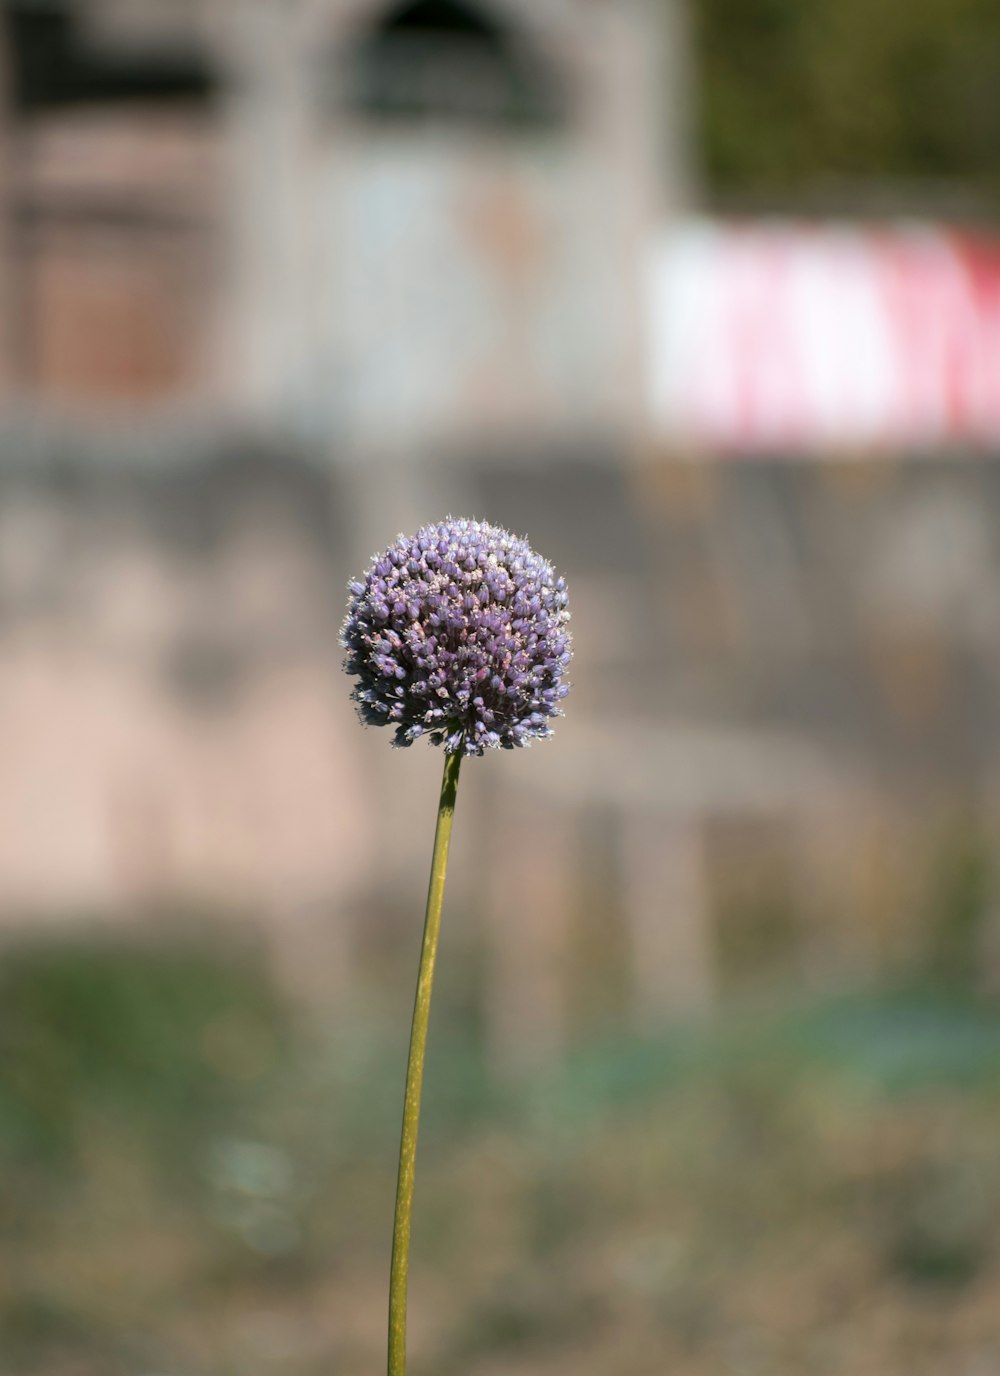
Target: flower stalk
399, 1273
459, 635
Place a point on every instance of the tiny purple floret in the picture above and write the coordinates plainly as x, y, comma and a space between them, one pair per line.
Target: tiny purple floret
460, 634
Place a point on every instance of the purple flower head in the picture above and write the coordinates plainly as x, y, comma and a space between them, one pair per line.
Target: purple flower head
459, 633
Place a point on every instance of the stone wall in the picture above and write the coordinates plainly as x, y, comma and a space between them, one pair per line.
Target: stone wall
785, 702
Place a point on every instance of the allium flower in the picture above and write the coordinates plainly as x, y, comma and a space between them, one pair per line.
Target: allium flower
459, 633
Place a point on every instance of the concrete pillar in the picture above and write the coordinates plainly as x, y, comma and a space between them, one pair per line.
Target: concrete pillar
666, 905
529, 873
267, 113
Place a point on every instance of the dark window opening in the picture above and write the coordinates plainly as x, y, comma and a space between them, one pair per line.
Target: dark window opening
440, 60
52, 64
107, 229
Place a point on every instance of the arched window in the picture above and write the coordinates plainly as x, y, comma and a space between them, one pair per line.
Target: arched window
442, 60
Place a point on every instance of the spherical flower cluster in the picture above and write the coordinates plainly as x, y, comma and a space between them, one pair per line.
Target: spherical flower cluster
459, 633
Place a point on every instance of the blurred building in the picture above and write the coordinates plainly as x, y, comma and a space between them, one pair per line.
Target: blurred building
280, 277
400, 225
248, 250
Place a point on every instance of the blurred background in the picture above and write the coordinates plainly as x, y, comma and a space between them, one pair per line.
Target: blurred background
704, 298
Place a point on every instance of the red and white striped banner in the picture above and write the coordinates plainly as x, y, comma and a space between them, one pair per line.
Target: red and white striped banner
789, 338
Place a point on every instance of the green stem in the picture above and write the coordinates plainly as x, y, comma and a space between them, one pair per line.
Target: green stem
415, 1071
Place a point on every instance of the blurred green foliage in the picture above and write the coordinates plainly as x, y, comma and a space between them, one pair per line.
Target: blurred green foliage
161, 1030
197, 1180
961, 895
794, 94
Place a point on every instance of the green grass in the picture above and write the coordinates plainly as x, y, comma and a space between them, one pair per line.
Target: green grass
198, 1182
157, 1034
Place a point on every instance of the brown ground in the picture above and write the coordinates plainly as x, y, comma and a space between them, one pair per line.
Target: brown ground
763, 1206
